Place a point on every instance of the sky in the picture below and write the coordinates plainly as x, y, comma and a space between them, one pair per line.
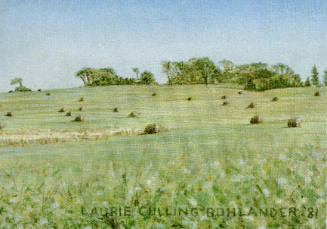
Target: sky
46, 42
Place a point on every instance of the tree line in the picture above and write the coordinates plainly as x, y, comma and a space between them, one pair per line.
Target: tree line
253, 76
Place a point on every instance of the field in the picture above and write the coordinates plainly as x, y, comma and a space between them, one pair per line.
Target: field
208, 161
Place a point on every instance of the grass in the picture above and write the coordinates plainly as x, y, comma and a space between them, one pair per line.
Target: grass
210, 156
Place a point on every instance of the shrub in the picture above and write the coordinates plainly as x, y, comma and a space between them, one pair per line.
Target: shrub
69, 113
151, 129
317, 93
293, 122
256, 120
39, 90
22, 89
116, 109
81, 99
11, 91
189, 98
80, 109
132, 115
61, 110
240, 92
9, 114
48, 94
275, 99
251, 105
225, 103
154, 94
78, 118
224, 97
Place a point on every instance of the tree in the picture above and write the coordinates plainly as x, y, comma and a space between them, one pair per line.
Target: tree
137, 71
147, 78
314, 76
85, 75
167, 69
325, 77
17, 80
307, 83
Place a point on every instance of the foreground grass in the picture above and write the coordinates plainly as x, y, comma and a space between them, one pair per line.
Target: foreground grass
210, 158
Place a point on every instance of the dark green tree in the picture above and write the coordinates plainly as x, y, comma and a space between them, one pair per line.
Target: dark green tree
325, 77
307, 83
147, 78
315, 76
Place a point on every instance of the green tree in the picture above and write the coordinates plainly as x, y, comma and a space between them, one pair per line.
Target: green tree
315, 76
167, 68
137, 71
325, 77
86, 75
307, 83
17, 80
147, 78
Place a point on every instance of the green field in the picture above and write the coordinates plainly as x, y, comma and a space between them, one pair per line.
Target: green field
208, 158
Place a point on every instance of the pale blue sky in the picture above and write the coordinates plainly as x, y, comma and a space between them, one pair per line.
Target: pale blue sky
45, 42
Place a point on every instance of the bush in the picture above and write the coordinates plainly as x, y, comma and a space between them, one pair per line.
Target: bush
81, 99
132, 115
11, 91
224, 97
256, 120
48, 94
9, 114
225, 103
80, 109
61, 110
78, 118
39, 90
22, 89
189, 98
154, 94
151, 129
69, 113
275, 99
251, 105
317, 93
116, 109
293, 122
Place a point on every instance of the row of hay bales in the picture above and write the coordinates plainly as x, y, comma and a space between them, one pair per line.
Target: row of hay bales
154, 128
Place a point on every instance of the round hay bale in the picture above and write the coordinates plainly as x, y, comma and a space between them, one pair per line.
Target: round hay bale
9, 114
115, 109
317, 93
275, 99
189, 98
132, 115
78, 118
256, 120
224, 97
61, 110
151, 129
293, 122
251, 106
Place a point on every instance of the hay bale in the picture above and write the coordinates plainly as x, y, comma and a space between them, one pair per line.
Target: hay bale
224, 97
115, 109
240, 92
69, 113
81, 99
9, 114
154, 94
39, 90
225, 103
256, 120
132, 115
61, 110
151, 129
293, 122
317, 93
251, 105
80, 109
48, 94
189, 98
275, 99
78, 118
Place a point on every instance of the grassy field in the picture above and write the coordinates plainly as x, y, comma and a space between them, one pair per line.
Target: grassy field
207, 162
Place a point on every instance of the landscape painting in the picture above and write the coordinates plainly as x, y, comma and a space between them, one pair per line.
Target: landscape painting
163, 114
